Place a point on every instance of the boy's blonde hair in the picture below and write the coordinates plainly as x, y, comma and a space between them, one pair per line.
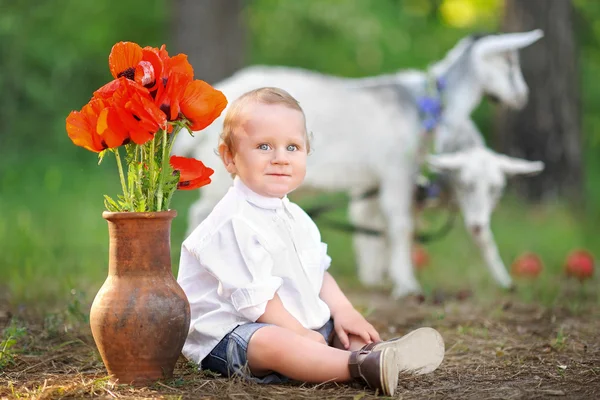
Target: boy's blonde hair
264, 95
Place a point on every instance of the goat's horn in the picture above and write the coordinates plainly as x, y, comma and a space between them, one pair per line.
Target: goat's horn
507, 41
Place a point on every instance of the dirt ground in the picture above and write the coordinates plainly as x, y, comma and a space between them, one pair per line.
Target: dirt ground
502, 350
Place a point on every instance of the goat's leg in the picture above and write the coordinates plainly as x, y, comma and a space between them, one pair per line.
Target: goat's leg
371, 251
487, 245
396, 202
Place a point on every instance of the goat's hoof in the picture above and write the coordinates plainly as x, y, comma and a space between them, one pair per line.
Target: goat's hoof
419, 298
398, 294
463, 294
413, 298
512, 288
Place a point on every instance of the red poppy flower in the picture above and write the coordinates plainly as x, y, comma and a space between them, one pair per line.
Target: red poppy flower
130, 110
177, 73
162, 52
193, 174
81, 127
202, 104
129, 60
86, 128
176, 64
123, 58
149, 71
110, 125
108, 90
169, 96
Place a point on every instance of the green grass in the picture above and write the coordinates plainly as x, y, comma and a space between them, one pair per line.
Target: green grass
54, 242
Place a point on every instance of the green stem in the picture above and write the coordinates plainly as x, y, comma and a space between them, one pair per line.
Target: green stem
133, 176
6, 342
165, 164
122, 176
176, 130
151, 173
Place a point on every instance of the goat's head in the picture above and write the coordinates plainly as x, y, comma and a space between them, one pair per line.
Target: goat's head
478, 176
495, 59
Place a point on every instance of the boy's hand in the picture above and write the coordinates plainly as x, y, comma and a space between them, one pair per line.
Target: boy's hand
315, 336
350, 321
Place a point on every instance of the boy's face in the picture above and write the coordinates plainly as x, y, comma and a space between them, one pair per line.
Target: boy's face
269, 149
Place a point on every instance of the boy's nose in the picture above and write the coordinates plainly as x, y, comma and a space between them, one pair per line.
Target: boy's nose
279, 157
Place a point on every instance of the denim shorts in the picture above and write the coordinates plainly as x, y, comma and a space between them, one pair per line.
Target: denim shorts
229, 356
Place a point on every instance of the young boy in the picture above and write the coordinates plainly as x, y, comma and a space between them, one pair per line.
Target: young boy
263, 305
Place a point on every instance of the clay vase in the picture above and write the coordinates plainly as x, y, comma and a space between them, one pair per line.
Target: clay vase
140, 317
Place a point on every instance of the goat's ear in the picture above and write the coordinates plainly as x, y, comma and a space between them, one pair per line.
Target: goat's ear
506, 42
517, 166
445, 162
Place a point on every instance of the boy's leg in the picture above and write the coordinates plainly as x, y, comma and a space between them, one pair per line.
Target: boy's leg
420, 351
273, 348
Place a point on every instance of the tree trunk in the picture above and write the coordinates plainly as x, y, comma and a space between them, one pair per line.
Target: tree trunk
549, 127
213, 35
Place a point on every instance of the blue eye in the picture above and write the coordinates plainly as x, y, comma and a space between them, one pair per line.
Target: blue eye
264, 146
292, 147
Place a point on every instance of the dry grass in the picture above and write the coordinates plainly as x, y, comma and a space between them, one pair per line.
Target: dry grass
504, 350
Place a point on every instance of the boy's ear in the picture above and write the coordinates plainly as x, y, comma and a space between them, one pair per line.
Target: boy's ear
227, 158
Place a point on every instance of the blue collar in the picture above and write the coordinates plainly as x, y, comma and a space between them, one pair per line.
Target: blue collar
431, 105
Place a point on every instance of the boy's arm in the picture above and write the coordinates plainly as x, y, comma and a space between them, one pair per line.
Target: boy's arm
276, 314
333, 296
346, 319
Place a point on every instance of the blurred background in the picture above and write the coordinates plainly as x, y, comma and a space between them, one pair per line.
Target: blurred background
54, 54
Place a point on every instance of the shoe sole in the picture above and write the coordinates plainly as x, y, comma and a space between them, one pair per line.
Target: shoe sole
389, 371
419, 352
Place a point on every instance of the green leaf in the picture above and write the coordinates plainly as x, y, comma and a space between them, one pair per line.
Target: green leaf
101, 156
110, 204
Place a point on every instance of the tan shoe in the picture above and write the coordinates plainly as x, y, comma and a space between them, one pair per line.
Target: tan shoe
378, 368
419, 352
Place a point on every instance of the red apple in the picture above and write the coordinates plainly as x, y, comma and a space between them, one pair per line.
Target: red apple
580, 264
420, 257
527, 265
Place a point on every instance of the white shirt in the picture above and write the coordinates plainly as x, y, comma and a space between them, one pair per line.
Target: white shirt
249, 248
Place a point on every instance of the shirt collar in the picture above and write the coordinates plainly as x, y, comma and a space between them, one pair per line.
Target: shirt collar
270, 203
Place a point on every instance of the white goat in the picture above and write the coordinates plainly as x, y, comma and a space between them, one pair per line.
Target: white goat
367, 134
477, 177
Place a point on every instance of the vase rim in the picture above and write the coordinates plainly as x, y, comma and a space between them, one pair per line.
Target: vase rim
110, 215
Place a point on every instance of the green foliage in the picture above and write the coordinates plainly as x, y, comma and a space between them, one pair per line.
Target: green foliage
151, 181
352, 37
54, 55
10, 337
71, 318
560, 341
